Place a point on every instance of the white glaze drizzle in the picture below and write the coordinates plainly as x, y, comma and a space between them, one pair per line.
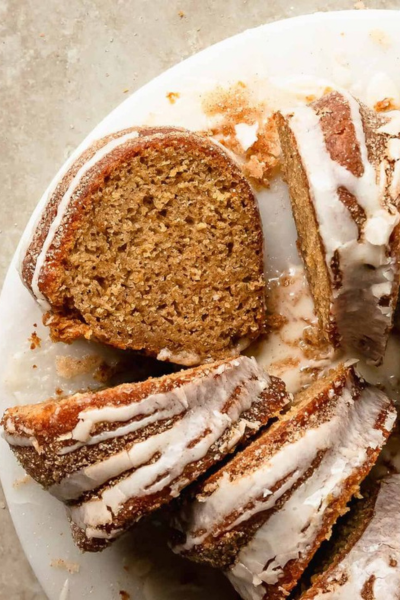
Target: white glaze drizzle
153, 408
187, 441
204, 415
289, 532
291, 462
372, 555
338, 230
63, 207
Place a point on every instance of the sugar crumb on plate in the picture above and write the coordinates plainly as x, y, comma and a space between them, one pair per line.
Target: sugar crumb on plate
61, 563
35, 341
69, 367
17, 483
244, 125
173, 97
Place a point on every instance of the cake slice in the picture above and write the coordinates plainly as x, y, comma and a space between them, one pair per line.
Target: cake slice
366, 565
152, 241
342, 164
115, 455
263, 515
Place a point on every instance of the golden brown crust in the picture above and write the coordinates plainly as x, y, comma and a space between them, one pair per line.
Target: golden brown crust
50, 212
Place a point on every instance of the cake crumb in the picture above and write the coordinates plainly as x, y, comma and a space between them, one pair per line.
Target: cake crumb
60, 563
228, 108
34, 366
2, 505
181, 14
124, 595
381, 38
385, 105
59, 391
173, 97
35, 341
21, 481
126, 91
69, 367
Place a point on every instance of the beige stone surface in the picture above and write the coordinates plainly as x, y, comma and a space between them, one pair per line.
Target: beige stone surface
64, 66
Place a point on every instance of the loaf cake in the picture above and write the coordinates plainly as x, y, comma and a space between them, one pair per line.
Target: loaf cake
366, 565
263, 515
152, 241
117, 454
342, 165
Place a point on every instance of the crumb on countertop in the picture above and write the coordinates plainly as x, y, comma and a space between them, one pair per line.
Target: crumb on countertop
124, 595
181, 14
35, 341
173, 97
59, 391
60, 563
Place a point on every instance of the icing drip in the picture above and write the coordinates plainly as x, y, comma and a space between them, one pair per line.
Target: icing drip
206, 407
290, 532
63, 208
375, 558
364, 260
289, 464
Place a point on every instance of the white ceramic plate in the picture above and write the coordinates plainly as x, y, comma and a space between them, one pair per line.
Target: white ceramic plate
348, 48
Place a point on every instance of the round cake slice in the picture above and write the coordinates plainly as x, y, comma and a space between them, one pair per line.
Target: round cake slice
152, 241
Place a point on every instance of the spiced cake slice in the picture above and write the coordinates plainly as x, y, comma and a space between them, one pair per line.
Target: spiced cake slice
152, 241
342, 165
366, 562
115, 455
263, 515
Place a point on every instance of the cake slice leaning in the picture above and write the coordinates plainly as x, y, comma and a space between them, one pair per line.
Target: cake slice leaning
342, 164
152, 241
366, 565
263, 515
115, 455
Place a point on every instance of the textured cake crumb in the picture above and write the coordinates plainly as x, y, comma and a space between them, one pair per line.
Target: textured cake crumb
163, 223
